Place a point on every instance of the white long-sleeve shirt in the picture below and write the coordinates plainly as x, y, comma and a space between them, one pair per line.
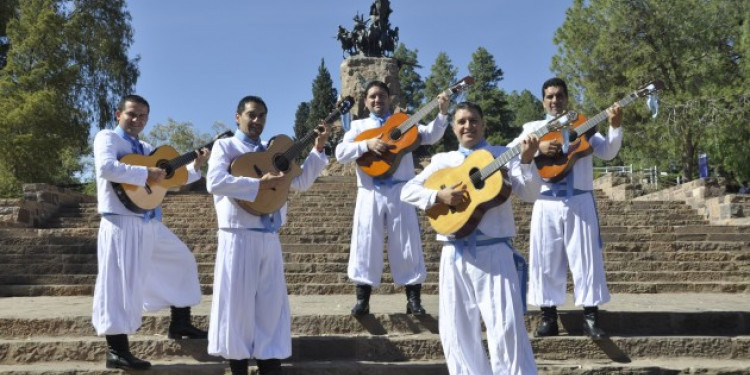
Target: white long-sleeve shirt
497, 222
604, 147
350, 150
109, 147
227, 188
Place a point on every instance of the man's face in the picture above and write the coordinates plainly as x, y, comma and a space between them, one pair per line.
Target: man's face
468, 127
252, 120
378, 101
132, 119
555, 101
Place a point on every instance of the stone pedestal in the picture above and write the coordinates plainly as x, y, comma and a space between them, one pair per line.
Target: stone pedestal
357, 72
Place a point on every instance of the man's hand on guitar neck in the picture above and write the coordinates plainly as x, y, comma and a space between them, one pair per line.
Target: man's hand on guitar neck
320, 140
529, 146
444, 102
615, 115
201, 158
271, 180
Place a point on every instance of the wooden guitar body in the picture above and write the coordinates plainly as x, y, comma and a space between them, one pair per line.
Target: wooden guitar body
461, 220
257, 164
555, 168
400, 144
140, 199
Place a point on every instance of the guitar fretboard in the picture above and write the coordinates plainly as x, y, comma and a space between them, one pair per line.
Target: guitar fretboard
601, 116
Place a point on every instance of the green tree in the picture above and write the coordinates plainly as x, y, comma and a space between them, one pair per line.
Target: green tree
300, 119
321, 105
524, 107
66, 64
442, 74
411, 83
486, 92
179, 135
608, 48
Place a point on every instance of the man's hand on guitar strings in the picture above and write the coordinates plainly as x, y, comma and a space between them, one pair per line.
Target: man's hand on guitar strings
550, 148
377, 146
271, 180
156, 175
453, 195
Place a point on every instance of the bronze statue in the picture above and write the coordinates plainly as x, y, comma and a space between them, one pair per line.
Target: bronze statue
372, 37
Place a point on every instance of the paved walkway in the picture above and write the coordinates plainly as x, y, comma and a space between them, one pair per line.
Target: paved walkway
46, 307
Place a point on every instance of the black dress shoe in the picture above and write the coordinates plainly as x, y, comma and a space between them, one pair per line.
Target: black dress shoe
126, 361
362, 307
180, 326
548, 326
591, 324
414, 300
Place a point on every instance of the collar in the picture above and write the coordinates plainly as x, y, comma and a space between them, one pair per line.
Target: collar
244, 138
479, 146
380, 119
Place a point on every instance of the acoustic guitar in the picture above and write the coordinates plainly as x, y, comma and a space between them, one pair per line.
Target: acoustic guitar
556, 167
483, 187
140, 199
279, 157
401, 134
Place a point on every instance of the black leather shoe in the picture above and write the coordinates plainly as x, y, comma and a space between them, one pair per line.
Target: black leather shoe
126, 361
414, 300
362, 307
119, 356
180, 327
270, 366
238, 366
591, 324
548, 326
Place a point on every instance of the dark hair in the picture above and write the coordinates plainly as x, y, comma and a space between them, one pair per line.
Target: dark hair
132, 98
380, 84
248, 99
470, 106
556, 82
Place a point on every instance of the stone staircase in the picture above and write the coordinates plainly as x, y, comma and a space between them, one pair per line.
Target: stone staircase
664, 262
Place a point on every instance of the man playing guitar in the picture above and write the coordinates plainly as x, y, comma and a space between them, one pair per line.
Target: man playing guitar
142, 264
250, 316
478, 276
565, 226
378, 206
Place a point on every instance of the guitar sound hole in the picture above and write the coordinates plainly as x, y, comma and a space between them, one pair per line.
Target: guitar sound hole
395, 134
164, 164
476, 179
281, 163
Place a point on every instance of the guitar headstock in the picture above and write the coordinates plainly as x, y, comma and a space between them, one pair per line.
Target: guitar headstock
650, 88
345, 105
562, 121
461, 85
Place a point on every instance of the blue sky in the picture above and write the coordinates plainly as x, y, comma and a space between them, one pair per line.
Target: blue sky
198, 58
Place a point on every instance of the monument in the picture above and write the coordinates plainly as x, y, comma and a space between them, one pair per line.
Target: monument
367, 49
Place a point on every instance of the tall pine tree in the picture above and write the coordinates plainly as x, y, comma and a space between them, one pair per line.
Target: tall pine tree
442, 74
412, 86
322, 104
486, 92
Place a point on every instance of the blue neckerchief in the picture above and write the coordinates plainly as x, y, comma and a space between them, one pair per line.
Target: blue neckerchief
380, 119
135, 144
256, 144
137, 148
522, 268
479, 146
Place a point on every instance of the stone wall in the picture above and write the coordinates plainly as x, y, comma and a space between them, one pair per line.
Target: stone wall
357, 72
40, 202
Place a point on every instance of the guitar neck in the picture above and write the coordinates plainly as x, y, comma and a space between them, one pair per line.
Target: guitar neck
505, 157
188, 157
421, 113
601, 116
296, 149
